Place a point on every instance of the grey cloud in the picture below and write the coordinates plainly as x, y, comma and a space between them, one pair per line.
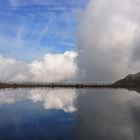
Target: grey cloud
135, 57
107, 35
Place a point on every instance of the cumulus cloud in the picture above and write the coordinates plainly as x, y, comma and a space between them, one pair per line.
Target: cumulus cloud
52, 67
108, 39
55, 67
51, 99
13, 70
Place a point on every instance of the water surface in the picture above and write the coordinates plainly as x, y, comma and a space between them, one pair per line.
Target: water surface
68, 114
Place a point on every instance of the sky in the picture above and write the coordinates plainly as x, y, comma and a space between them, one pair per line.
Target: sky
29, 29
71, 40
37, 39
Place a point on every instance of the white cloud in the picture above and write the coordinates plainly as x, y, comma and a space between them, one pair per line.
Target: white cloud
53, 67
13, 70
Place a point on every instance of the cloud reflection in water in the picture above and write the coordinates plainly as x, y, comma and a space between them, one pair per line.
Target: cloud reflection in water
61, 99
108, 114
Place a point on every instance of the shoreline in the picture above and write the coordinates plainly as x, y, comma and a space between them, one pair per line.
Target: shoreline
64, 85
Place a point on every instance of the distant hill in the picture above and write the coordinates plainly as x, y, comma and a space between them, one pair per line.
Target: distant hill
130, 80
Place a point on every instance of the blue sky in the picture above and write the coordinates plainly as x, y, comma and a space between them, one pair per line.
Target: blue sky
31, 28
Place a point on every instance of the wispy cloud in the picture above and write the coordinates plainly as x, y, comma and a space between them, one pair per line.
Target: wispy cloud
30, 29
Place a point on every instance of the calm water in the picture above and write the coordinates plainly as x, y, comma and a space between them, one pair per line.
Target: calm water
67, 114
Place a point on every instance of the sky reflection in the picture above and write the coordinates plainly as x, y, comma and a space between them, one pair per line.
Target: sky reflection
61, 99
70, 114
108, 114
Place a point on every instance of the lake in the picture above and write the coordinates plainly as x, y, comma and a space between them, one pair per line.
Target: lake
69, 114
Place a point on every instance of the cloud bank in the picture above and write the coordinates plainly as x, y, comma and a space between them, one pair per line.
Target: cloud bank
108, 39
51, 68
